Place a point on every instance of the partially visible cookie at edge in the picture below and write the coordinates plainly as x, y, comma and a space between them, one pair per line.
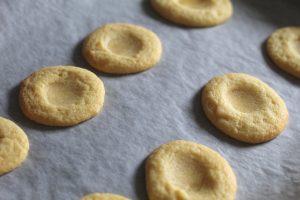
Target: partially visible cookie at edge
283, 47
194, 13
103, 196
186, 170
14, 146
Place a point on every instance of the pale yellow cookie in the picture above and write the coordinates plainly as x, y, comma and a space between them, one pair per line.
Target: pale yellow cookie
122, 48
198, 13
61, 95
184, 170
244, 107
14, 146
103, 196
283, 47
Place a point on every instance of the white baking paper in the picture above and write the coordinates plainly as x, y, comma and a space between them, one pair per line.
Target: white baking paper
144, 110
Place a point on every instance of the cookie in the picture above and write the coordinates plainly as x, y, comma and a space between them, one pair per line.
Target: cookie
14, 146
61, 95
103, 196
244, 107
122, 49
197, 13
186, 170
283, 47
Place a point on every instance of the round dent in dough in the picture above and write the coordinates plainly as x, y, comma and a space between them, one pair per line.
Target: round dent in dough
122, 48
61, 95
244, 107
188, 171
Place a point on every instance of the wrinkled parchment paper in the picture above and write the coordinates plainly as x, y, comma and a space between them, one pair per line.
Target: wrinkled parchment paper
144, 110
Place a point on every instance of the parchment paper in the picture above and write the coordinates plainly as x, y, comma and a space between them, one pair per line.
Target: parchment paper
144, 110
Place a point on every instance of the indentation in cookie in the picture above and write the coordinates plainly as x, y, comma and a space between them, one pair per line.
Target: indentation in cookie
64, 92
125, 44
196, 4
244, 99
189, 174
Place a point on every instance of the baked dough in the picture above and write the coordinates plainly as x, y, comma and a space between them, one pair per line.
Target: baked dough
61, 95
244, 107
122, 48
14, 145
103, 196
283, 47
199, 13
184, 170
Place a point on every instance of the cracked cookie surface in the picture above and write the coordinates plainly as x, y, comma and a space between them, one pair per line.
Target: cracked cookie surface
61, 95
